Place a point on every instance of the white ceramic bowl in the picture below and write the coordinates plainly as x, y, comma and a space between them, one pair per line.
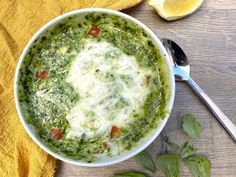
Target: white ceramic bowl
146, 141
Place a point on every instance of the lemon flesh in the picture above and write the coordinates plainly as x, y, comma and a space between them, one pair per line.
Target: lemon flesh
175, 9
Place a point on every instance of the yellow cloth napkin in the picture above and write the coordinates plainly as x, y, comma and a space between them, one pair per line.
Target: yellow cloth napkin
19, 20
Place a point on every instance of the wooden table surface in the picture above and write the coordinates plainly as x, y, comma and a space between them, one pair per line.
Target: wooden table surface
209, 38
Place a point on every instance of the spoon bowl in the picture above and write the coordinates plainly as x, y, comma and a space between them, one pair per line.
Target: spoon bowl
178, 58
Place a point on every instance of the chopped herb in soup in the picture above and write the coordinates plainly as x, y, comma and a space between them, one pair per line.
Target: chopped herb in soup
93, 87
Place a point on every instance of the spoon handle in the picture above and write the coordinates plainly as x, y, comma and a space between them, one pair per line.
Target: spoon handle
222, 118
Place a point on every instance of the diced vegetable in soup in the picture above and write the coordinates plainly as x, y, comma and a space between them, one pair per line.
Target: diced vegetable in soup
93, 87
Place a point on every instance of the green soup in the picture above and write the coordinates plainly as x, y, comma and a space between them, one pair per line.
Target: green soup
93, 87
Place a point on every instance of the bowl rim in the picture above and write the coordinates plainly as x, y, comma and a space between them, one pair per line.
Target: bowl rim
129, 153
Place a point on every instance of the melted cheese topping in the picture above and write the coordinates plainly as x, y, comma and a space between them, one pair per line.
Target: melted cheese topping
111, 86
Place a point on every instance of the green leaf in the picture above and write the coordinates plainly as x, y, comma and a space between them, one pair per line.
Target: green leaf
199, 166
171, 144
130, 174
169, 164
191, 126
146, 161
187, 150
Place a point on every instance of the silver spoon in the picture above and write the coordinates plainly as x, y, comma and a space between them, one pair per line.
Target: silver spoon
181, 70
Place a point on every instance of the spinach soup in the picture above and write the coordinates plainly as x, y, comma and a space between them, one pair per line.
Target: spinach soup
94, 86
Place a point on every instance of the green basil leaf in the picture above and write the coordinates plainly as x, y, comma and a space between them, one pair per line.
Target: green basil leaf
130, 174
146, 161
191, 126
169, 164
199, 166
171, 144
187, 150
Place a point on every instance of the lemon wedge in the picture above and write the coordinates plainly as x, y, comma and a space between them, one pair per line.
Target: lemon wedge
175, 9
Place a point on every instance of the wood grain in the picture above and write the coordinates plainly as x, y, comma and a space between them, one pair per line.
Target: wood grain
209, 38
